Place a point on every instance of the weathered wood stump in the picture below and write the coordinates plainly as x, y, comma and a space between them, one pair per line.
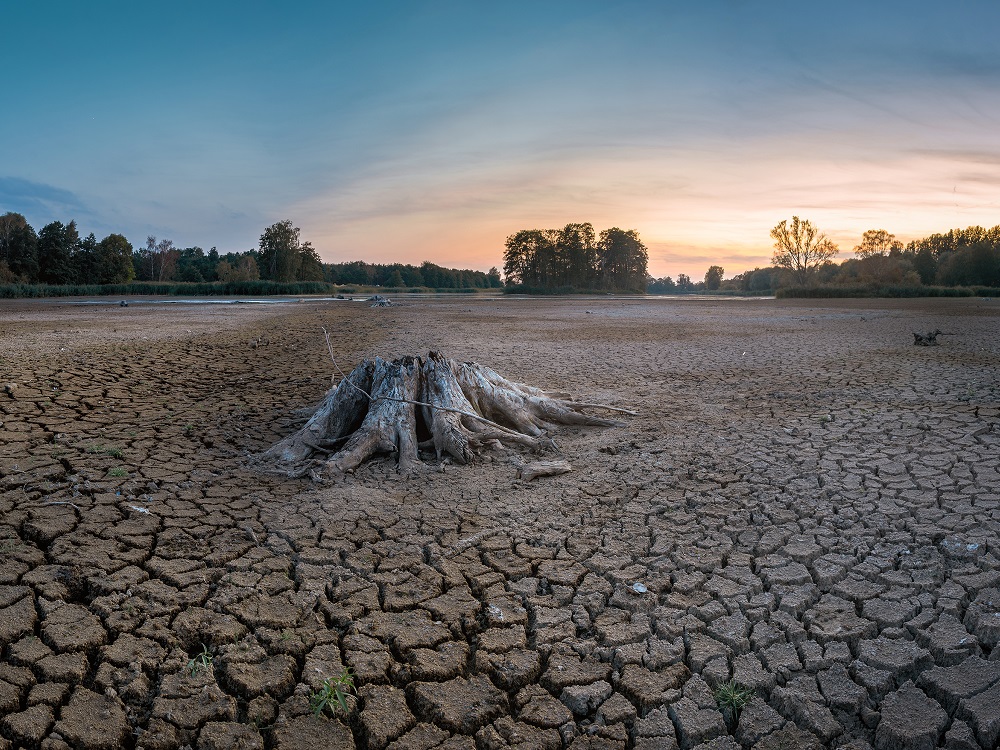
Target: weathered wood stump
431, 403
926, 339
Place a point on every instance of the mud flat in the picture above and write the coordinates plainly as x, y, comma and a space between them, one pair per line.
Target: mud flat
807, 504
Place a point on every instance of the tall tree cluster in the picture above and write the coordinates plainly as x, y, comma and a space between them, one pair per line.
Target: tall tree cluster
575, 256
58, 255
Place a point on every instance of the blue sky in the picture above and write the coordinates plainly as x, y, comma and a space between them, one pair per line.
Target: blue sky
431, 131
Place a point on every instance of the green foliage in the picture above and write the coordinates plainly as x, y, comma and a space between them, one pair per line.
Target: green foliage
573, 257
105, 450
214, 289
800, 248
201, 661
713, 278
118, 472
732, 698
18, 249
284, 257
427, 276
829, 291
334, 690
56, 244
114, 260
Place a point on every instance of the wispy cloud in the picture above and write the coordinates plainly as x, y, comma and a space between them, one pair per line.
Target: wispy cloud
40, 202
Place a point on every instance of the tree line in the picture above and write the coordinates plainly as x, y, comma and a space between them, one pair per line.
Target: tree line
575, 257
803, 257
426, 274
57, 254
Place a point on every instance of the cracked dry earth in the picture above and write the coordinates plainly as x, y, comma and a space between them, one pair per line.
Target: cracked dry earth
806, 504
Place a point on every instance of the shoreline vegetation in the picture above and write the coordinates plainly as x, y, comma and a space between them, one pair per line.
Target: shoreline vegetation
576, 259
215, 289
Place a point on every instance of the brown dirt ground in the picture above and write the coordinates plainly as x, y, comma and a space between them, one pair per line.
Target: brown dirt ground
807, 504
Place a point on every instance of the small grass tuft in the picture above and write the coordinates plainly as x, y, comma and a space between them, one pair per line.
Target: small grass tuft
333, 691
202, 660
105, 450
118, 471
732, 698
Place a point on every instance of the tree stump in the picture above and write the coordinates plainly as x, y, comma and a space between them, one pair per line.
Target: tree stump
433, 403
926, 339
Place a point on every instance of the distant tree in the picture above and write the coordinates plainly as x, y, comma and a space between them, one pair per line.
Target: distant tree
877, 242
622, 259
760, 279
713, 277
493, 279
530, 258
237, 268
284, 257
279, 252
665, 285
395, 278
576, 256
800, 249
684, 283
57, 242
86, 265
924, 263
978, 264
18, 248
114, 260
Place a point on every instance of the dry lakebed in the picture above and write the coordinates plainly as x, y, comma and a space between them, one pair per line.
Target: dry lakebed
794, 544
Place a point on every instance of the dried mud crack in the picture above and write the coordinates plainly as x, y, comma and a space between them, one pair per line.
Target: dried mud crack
808, 505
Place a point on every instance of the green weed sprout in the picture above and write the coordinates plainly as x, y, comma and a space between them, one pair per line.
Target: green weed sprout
733, 697
333, 690
200, 661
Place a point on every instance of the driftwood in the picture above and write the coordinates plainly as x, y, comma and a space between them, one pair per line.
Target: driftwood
926, 339
379, 301
432, 403
543, 469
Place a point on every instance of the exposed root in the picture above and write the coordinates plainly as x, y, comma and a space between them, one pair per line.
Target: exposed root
455, 409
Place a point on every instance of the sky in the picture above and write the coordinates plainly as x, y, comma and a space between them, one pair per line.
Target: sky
412, 131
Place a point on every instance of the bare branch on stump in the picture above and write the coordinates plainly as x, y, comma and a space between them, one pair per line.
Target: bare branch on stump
456, 409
